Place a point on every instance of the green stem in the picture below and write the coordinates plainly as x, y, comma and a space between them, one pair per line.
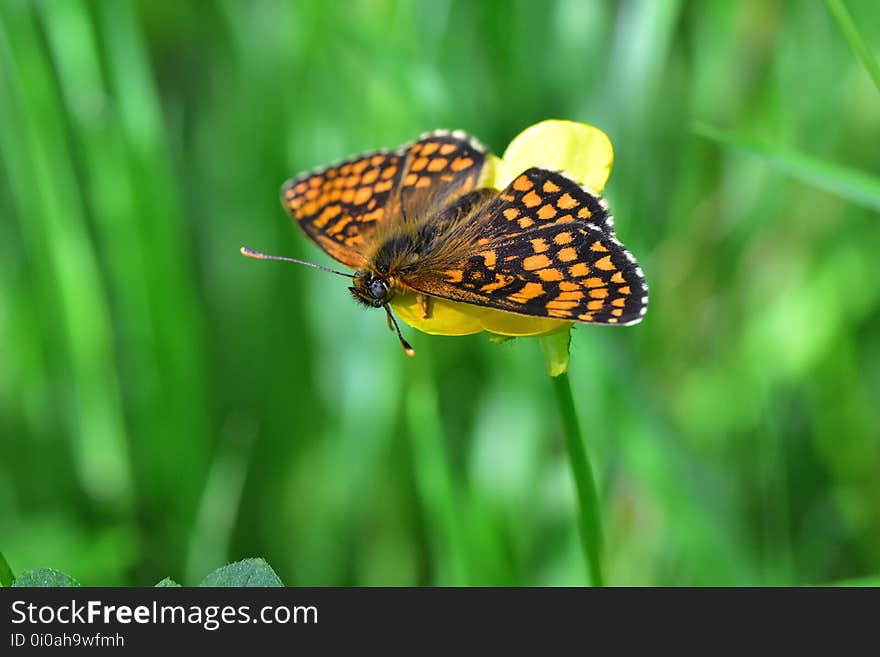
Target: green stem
6, 576
588, 502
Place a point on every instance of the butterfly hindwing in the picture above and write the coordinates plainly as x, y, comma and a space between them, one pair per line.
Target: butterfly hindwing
340, 207
571, 268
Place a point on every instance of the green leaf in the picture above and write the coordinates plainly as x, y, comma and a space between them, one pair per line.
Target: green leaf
850, 184
6, 575
167, 582
856, 42
45, 577
249, 572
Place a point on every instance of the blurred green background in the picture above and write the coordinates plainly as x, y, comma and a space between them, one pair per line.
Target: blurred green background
167, 405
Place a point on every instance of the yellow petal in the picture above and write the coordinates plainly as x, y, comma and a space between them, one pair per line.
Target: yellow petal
583, 151
451, 318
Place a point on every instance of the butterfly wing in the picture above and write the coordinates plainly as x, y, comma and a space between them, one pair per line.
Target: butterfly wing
543, 247
342, 206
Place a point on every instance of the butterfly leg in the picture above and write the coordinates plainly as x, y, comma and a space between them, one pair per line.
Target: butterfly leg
424, 304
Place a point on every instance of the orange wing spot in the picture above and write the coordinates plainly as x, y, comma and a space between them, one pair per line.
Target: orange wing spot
375, 215
352, 181
376, 160
595, 305
559, 314
604, 264
573, 295
482, 241
446, 149
345, 169
336, 228
316, 181
454, 275
363, 195
547, 212
312, 194
586, 317
568, 286
617, 312
348, 196
612, 320
383, 186
511, 213
338, 183
419, 164
370, 177
560, 305
579, 269
618, 277
424, 181
461, 163
507, 197
529, 291
371, 204
567, 254
531, 199
584, 213
539, 245
594, 281
437, 164
550, 187
309, 209
550, 274
620, 302
523, 184
599, 293
300, 188
536, 262
563, 238
526, 222
488, 258
500, 281
430, 148
330, 212
360, 166
564, 219
389, 172
566, 202
410, 179
623, 290
597, 246
416, 148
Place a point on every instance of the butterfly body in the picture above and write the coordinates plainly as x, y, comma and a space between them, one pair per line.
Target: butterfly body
417, 220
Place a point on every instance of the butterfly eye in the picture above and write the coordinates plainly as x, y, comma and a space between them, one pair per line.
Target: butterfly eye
378, 289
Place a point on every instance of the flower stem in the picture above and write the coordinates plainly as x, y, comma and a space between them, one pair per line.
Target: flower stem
6, 576
588, 504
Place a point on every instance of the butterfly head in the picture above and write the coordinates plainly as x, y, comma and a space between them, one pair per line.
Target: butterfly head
371, 290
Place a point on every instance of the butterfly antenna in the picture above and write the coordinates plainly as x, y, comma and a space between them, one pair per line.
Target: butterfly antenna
407, 349
250, 253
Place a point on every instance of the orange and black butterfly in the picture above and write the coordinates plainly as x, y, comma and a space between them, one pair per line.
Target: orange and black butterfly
417, 220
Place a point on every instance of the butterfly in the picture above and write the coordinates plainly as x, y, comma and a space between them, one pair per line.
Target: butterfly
419, 219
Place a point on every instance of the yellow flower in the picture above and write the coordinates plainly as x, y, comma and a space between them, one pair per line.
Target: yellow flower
582, 151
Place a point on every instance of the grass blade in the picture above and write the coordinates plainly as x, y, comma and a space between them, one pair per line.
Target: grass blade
848, 183
854, 38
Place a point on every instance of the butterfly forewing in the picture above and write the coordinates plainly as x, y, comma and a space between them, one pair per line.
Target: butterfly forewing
341, 207
567, 266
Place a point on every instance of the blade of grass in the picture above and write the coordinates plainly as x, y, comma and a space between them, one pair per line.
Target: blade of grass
848, 183
856, 42
6, 575
437, 489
